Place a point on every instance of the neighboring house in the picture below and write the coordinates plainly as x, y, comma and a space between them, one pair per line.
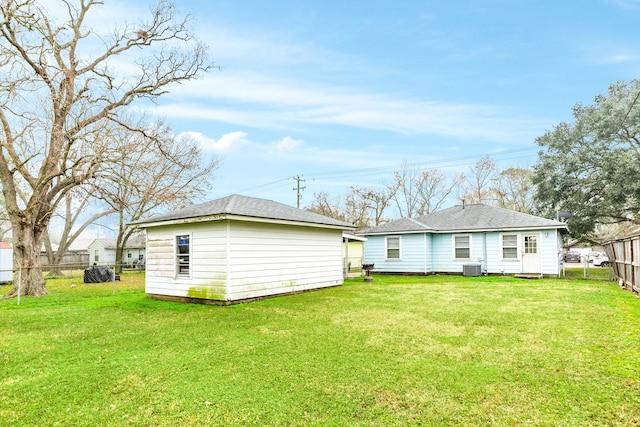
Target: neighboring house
103, 251
6, 262
584, 249
352, 250
76, 255
485, 239
241, 248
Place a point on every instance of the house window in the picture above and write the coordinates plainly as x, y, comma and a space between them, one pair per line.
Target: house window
183, 255
96, 255
462, 247
393, 247
509, 246
530, 244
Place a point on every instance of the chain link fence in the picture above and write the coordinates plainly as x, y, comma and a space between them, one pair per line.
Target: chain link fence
73, 276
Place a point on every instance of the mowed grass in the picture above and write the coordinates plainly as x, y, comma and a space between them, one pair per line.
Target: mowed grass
400, 351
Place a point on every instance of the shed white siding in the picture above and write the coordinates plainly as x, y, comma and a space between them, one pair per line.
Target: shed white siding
208, 261
236, 260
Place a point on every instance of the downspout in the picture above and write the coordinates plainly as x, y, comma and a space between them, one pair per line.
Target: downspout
426, 271
227, 284
345, 263
485, 264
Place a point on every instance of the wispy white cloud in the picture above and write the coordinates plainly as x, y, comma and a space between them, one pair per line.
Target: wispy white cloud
626, 4
271, 103
606, 52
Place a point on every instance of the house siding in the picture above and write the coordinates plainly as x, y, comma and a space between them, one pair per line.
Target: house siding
414, 254
551, 242
434, 253
106, 256
105, 249
352, 254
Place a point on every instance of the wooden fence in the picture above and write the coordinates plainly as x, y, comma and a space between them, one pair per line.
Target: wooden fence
624, 255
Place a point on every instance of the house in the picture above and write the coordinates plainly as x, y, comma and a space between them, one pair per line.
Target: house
103, 251
469, 239
6, 262
584, 249
241, 248
75, 256
352, 250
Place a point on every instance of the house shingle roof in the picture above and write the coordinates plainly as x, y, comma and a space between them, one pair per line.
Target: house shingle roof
247, 207
132, 243
466, 218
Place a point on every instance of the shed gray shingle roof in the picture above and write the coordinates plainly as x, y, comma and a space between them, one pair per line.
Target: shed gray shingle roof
247, 207
466, 218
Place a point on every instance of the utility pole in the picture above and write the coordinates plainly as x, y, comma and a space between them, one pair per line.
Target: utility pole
297, 188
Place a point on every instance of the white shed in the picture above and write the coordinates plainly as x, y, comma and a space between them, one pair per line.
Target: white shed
6, 262
241, 248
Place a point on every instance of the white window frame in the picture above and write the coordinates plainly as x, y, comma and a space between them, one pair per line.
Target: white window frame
517, 246
176, 256
470, 247
386, 248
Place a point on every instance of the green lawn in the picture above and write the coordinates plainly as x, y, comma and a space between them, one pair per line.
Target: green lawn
400, 351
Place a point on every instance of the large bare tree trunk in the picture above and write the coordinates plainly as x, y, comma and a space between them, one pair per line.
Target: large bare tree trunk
26, 246
61, 97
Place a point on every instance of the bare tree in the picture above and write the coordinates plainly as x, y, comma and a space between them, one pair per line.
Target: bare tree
72, 211
435, 188
161, 172
59, 88
513, 189
419, 192
479, 182
323, 205
404, 191
5, 224
376, 201
357, 209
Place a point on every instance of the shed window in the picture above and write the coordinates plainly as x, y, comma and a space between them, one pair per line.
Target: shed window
462, 247
393, 247
510, 246
183, 255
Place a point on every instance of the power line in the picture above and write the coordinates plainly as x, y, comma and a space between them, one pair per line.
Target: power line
451, 162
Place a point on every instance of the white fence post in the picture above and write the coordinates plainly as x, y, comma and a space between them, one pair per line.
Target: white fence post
19, 284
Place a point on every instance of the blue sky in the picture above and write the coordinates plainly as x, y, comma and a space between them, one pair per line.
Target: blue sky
342, 93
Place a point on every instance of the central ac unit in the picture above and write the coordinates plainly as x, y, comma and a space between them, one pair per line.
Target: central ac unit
471, 270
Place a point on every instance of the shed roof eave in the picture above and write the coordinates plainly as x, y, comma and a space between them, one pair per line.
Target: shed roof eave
221, 217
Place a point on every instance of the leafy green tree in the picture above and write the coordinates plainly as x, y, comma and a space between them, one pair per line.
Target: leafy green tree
591, 167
